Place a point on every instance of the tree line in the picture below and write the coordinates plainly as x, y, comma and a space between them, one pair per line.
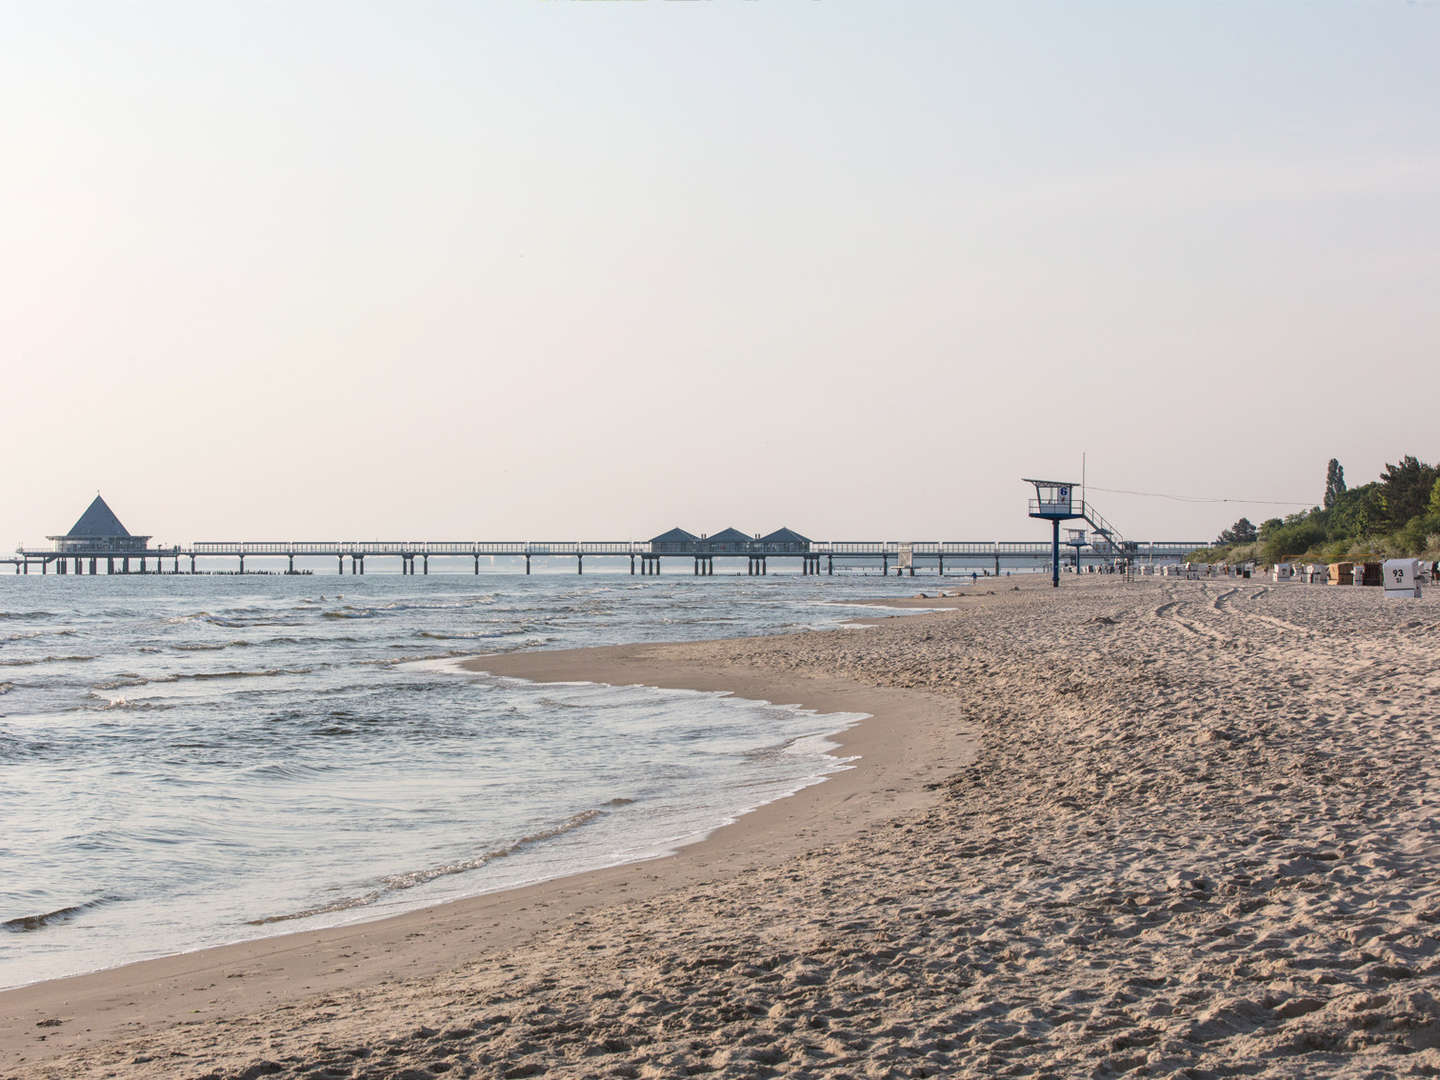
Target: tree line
1395, 516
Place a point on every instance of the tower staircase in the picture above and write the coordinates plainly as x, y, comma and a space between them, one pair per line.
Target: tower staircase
1111, 538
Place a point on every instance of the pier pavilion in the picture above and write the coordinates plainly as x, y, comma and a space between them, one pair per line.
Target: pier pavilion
95, 537
98, 536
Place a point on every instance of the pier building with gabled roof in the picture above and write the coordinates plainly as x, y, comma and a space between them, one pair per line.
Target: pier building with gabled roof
727, 542
675, 542
784, 542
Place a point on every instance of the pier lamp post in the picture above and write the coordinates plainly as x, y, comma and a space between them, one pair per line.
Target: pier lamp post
1055, 502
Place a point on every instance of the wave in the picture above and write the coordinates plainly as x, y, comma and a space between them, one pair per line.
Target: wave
123, 682
26, 923
349, 613
241, 643
28, 615
392, 661
265, 674
33, 634
287, 770
340, 639
45, 660
247, 624
472, 635
394, 883
454, 603
138, 705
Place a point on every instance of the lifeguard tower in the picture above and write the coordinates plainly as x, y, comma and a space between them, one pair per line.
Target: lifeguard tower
1077, 539
1055, 502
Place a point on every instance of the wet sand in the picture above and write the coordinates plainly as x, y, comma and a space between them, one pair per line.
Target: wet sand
1164, 828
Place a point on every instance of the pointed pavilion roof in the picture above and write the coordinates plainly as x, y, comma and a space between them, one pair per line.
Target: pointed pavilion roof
785, 536
676, 535
97, 521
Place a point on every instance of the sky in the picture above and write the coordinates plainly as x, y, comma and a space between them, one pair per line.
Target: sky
556, 270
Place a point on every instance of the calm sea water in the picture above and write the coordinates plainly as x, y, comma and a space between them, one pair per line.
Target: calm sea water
188, 761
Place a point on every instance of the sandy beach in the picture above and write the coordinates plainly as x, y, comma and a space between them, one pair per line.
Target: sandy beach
1157, 828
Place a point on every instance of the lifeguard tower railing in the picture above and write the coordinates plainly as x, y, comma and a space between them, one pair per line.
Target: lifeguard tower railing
1082, 508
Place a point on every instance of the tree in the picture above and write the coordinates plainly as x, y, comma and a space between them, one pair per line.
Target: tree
1293, 539
1242, 532
1334, 483
1405, 489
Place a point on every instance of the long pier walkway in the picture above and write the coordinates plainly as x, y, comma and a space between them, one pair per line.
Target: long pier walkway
645, 556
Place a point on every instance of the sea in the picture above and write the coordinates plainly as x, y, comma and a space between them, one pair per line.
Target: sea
188, 761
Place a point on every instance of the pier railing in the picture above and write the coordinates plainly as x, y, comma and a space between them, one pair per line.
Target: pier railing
418, 547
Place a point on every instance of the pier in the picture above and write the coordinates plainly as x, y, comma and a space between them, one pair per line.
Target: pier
99, 544
414, 556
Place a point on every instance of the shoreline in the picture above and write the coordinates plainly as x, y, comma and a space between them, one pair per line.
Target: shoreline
212, 984
1196, 837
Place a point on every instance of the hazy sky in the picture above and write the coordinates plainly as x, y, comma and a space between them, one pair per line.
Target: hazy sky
556, 270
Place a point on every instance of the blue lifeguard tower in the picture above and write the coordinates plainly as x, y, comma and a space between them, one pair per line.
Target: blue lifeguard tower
1055, 502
